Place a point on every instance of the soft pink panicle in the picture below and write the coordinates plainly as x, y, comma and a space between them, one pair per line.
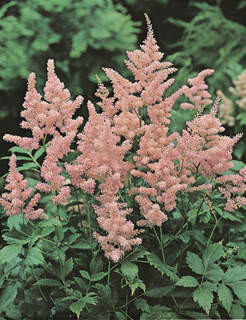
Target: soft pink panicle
14, 201
112, 219
197, 92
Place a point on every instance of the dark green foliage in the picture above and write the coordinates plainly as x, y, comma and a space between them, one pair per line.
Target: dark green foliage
82, 37
210, 40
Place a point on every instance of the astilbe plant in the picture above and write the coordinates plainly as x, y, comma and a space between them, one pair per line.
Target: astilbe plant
126, 160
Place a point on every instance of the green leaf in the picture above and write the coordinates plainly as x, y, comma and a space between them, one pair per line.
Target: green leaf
14, 222
119, 315
137, 284
82, 244
226, 215
214, 273
62, 213
67, 268
18, 150
204, 297
196, 315
59, 232
34, 257
237, 311
27, 166
237, 165
137, 253
212, 253
239, 289
81, 283
142, 304
195, 262
225, 296
6, 6
47, 283
77, 307
98, 276
85, 274
39, 153
235, 274
7, 296
159, 292
9, 252
129, 270
163, 268
187, 282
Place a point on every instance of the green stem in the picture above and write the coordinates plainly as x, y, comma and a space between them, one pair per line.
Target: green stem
161, 245
34, 160
215, 226
40, 289
109, 263
177, 233
127, 315
133, 299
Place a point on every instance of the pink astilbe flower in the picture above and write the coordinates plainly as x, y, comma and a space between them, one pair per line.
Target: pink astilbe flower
240, 90
112, 219
14, 201
100, 154
201, 147
233, 189
197, 93
51, 117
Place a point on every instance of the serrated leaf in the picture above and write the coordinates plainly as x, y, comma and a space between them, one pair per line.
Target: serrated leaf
80, 282
34, 257
235, 274
210, 285
67, 268
239, 289
9, 252
129, 270
139, 254
226, 215
77, 307
14, 222
59, 232
204, 297
214, 273
142, 304
82, 244
187, 282
137, 284
237, 311
7, 296
158, 292
98, 276
85, 274
212, 253
155, 261
225, 296
47, 283
195, 262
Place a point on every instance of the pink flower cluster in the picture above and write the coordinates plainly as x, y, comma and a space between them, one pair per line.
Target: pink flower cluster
167, 164
14, 201
52, 117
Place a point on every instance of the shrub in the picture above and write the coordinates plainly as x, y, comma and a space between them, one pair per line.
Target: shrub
87, 226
